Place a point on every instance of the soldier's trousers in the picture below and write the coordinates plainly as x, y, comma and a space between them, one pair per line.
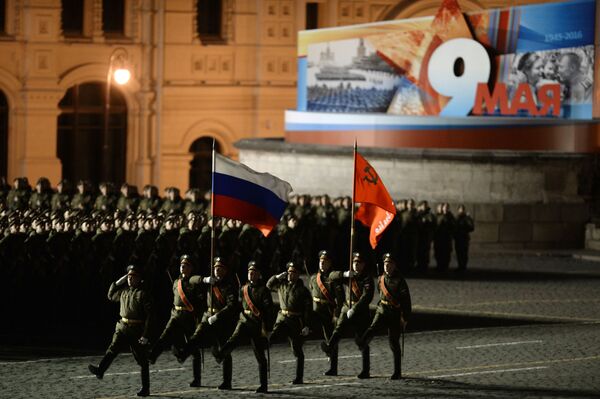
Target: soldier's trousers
442, 249
423, 253
291, 327
215, 336
324, 318
177, 332
126, 337
253, 330
462, 253
391, 319
359, 324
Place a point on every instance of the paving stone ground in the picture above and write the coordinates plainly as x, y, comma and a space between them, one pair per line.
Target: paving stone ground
511, 327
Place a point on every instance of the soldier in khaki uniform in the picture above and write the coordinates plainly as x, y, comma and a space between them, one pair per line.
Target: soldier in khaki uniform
188, 299
218, 321
393, 310
295, 302
328, 299
257, 305
355, 312
133, 328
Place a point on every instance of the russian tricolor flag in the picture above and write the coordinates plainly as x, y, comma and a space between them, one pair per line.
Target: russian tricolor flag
243, 194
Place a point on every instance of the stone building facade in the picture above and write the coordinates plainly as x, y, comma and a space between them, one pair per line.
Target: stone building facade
200, 70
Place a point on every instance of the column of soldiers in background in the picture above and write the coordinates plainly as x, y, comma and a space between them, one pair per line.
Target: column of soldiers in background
53, 239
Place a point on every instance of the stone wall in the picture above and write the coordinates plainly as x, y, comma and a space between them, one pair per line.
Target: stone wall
518, 200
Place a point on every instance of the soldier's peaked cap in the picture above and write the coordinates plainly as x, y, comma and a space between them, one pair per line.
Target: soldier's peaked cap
324, 254
185, 259
291, 265
252, 265
133, 269
357, 256
219, 262
387, 257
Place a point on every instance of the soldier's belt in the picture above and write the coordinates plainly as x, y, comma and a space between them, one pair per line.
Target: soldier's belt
248, 312
320, 300
289, 313
131, 321
387, 303
182, 309
214, 310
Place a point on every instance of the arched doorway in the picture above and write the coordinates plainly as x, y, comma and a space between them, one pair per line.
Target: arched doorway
201, 165
3, 135
89, 147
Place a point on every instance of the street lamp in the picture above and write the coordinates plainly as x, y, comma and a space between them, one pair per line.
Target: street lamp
117, 69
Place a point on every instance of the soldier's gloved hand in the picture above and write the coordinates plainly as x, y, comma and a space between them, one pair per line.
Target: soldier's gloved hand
122, 280
212, 319
349, 273
143, 341
305, 331
282, 276
350, 313
209, 280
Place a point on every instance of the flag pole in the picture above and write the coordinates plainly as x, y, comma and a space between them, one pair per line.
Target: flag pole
212, 227
352, 225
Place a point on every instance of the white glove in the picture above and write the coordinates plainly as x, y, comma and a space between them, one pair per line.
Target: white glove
282, 276
212, 319
209, 280
349, 273
122, 280
143, 341
350, 312
305, 331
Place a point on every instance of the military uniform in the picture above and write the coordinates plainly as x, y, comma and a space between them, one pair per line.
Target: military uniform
393, 310
425, 230
295, 302
463, 227
360, 294
442, 244
257, 305
328, 297
135, 323
217, 323
188, 300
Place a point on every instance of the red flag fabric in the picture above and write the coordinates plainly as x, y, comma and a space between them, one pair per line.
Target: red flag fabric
377, 209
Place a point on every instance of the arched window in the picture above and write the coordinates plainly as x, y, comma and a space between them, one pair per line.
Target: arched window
89, 147
201, 165
2, 17
113, 18
3, 135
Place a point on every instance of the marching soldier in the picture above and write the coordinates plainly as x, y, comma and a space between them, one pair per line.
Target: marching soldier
188, 295
218, 322
393, 310
295, 303
256, 309
326, 304
360, 293
133, 328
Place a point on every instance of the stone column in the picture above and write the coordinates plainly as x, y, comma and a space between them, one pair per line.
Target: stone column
38, 130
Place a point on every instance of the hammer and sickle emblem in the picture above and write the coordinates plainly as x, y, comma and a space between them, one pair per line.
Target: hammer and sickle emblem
371, 175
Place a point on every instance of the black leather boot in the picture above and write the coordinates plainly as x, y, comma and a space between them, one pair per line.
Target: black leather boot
227, 373
299, 371
99, 370
262, 374
397, 367
366, 363
333, 361
145, 391
197, 372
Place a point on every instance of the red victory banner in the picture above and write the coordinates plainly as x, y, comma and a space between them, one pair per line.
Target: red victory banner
377, 209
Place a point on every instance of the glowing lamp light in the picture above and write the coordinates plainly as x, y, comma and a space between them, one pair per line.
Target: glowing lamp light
122, 76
